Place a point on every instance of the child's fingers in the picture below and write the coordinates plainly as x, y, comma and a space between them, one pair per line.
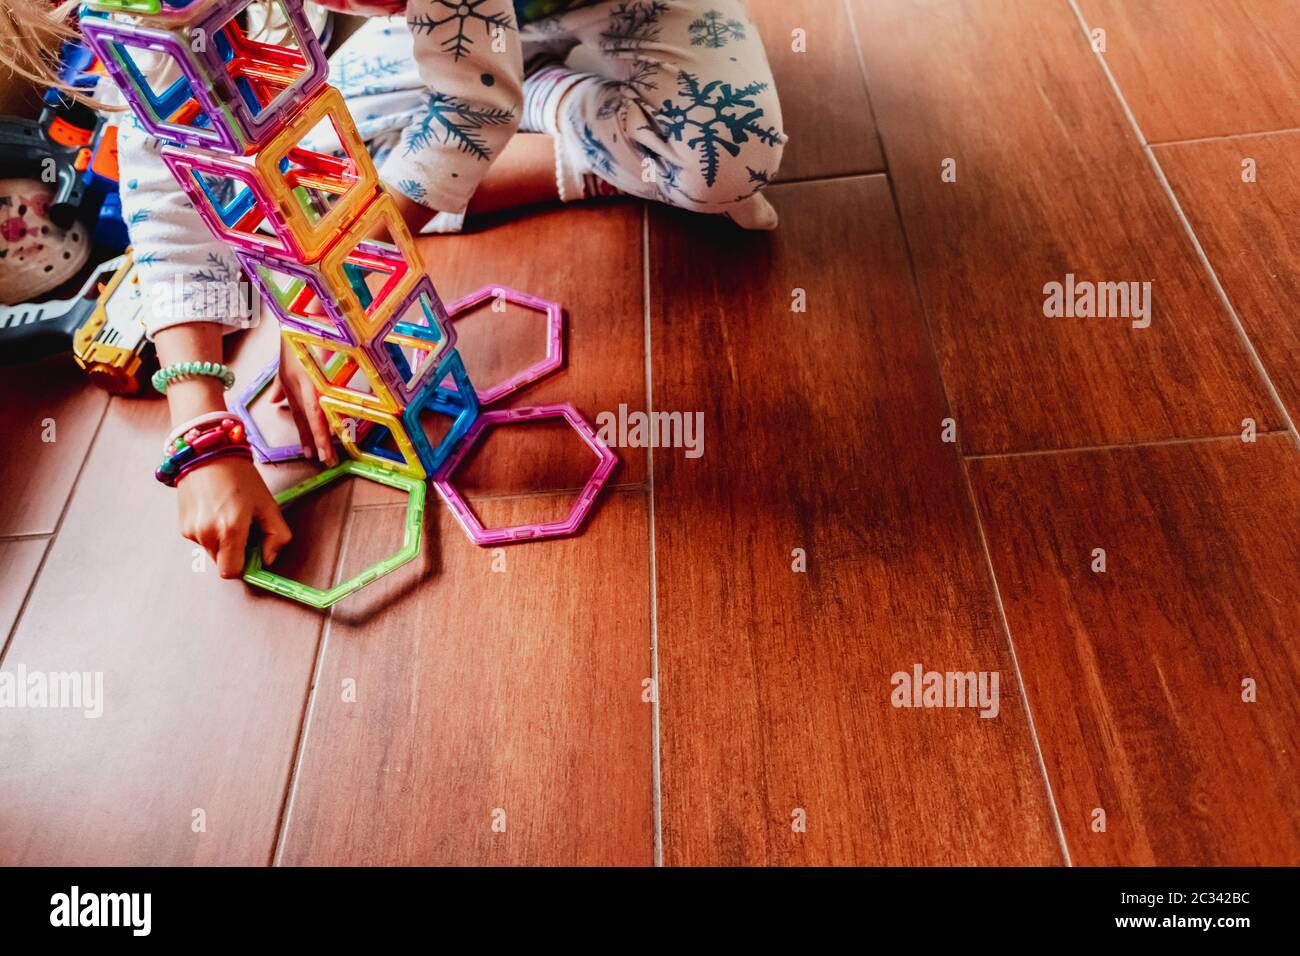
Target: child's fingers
230, 559
275, 532
321, 435
305, 436
208, 539
276, 395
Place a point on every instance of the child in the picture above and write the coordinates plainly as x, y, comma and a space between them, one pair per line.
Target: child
468, 106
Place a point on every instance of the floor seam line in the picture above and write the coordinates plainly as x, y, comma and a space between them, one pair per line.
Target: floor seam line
1219, 137
53, 535
309, 704
866, 88
1242, 335
827, 177
1015, 659
990, 571
1117, 446
656, 769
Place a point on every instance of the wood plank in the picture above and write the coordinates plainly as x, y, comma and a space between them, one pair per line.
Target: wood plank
822, 434
592, 266
52, 398
1191, 68
1135, 675
824, 104
477, 690
18, 563
204, 681
1050, 182
1251, 234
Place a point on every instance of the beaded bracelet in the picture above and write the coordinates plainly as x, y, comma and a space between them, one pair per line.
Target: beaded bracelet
176, 373
197, 445
171, 471
226, 428
228, 451
201, 422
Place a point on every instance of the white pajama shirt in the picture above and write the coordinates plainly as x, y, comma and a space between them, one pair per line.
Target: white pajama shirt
682, 111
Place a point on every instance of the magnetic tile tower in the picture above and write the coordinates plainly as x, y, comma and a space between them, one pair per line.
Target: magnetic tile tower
243, 122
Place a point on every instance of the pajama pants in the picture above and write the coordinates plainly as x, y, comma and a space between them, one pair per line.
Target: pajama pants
684, 110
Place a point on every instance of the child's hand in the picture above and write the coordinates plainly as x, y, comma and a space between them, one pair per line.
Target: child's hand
295, 386
219, 502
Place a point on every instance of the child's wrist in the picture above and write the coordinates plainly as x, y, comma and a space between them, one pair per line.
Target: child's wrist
191, 342
194, 397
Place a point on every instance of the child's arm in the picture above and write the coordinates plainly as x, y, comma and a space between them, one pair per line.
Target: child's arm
220, 501
188, 274
474, 106
191, 281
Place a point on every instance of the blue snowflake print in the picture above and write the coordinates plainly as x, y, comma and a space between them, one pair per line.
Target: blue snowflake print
412, 190
139, 216
212, 291
461, 13
219, 270
667, 178
150, 259
132, 184
599, 158
615, 102
381, 132
639, 83
720, 118
632, 25
759, 177
642, 74
357, 74
451, 120
713, 30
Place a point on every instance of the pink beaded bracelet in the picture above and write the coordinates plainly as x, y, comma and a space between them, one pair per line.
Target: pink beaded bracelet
228, 451
201, 422
199, 445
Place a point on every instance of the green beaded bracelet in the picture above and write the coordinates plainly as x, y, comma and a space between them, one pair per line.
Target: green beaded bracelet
175, 373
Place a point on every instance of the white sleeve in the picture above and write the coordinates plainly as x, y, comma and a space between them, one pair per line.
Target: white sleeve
187, 273
473, 69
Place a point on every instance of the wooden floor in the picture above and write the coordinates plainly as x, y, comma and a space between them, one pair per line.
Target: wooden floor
906, 463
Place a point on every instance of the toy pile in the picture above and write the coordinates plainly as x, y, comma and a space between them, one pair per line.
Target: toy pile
326, 247
61, 232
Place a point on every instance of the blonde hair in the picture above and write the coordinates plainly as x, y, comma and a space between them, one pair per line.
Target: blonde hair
32, 32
